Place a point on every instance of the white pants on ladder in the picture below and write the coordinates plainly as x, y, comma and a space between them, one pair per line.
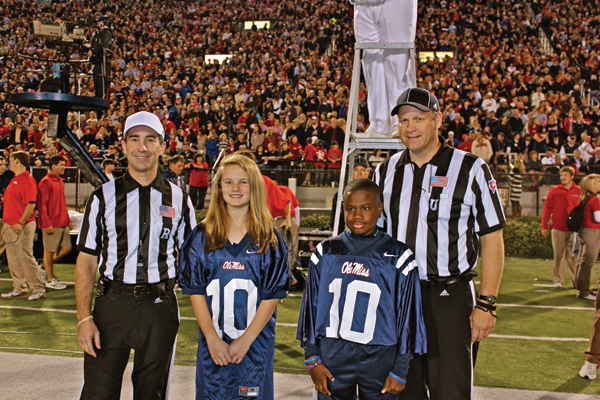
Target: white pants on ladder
387, 71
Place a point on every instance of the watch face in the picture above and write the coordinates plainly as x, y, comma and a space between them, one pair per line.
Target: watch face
490, 299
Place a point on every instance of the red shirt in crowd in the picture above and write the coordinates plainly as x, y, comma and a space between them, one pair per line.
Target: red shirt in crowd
36, 138
333, 155
21, 191
296, 150
199, 177
321, 154
51, 203
559, 203
591, 207
241, 121
309, 153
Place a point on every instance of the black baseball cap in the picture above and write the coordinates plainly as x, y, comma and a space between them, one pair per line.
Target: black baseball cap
358, 160
419, 98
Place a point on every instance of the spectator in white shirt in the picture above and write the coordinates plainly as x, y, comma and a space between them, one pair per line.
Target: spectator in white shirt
587, 151
489, 103
537, 97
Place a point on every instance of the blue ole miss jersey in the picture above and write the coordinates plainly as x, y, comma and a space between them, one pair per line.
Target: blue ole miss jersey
371, 297
235, 280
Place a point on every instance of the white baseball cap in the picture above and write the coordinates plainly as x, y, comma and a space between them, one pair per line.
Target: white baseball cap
144, 118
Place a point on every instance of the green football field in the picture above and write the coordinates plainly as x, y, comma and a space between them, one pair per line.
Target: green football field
538, 344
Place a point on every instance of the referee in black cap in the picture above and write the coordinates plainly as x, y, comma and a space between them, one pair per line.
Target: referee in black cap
443, 203
131, 232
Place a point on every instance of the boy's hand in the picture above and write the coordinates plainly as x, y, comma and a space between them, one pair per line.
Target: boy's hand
392, 386
319, 376
219, 353
238, 349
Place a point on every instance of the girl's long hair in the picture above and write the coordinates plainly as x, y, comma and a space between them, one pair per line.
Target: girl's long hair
258, 220
520, 165
587, 186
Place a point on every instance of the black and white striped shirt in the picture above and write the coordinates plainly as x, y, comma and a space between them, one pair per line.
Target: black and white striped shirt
516, 185
440, 209
136, 230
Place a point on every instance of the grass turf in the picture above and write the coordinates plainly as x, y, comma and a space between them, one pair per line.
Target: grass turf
511, 363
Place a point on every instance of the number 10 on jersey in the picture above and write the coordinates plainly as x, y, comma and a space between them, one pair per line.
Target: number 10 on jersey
349, 309
213, 290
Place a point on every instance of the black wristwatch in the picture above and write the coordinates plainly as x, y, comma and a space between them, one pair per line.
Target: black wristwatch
491, 299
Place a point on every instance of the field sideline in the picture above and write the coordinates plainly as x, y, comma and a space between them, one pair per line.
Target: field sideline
538, 343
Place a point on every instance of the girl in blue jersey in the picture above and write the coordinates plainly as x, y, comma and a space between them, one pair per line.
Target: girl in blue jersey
234, 266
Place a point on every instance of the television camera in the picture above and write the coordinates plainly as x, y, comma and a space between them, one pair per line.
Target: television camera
72, 32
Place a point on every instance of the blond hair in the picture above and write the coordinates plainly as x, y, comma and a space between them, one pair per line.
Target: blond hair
520, 165
587, 186
258, 220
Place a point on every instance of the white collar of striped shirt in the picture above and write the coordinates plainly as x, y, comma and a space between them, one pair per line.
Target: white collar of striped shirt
130, 184
440, 159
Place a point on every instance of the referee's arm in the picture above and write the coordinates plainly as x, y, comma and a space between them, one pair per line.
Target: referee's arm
492, 265
88, 335
88, 243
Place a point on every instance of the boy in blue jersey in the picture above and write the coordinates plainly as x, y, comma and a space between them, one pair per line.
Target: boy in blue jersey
361, 319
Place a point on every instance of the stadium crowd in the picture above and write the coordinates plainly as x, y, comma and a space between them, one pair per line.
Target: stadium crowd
284, 92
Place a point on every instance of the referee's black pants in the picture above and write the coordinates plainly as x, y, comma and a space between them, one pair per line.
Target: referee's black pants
446, 371
146, 324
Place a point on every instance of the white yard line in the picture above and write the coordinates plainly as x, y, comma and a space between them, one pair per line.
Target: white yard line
545, 339
10, 280
58, 310
39, 333
548, 307
50, 350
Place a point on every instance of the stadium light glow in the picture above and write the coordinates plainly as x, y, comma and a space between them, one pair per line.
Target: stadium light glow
259, 24
424, 56
211, 58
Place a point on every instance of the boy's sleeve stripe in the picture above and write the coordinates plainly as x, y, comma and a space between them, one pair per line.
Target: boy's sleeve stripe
402, 259
320, 249
314, 259
409, 267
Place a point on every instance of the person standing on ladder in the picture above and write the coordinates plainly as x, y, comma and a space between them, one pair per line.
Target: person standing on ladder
387, 71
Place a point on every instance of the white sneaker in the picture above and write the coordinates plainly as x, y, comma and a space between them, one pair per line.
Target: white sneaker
56, 285
43, 276
590, 297
12, 294
37, 296
588, 370
371, 134
557, 285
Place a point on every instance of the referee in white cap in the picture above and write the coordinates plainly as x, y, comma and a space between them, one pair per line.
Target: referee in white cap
131, 232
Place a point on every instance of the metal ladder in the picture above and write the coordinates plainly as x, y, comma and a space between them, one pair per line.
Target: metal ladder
354, 144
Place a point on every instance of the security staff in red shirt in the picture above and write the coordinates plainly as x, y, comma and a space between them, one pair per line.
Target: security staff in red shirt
559, 203
19, 230
54, 219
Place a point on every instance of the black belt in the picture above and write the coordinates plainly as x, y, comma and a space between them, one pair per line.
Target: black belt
441, 281
135, 290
